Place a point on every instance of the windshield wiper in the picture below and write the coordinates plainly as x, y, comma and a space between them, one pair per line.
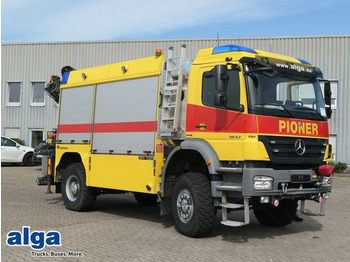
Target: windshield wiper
310, 109
275, 105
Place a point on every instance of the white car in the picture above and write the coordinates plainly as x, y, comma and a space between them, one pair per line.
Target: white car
12, 152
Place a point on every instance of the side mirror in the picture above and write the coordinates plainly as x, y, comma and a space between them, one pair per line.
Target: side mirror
221, 78
329, 112
328, 98
220, 99
327, 93
18, 146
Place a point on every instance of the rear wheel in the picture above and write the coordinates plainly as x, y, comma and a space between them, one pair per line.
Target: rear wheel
28, 159
280, 216
146, 199
192, 205
76, 195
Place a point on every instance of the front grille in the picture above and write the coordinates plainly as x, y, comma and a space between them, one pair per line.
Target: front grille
282, 150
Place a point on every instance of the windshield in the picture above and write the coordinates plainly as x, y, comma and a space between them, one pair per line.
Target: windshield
285, 95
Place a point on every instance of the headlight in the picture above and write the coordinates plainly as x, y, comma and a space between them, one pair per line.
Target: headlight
327, 181
263, 183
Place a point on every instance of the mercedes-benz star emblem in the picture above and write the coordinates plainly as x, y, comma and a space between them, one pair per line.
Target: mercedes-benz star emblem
299, 147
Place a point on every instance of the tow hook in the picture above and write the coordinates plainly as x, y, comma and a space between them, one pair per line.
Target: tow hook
284, 188
319, 198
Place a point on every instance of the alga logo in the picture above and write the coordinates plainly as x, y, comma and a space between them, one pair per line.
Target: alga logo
37, 240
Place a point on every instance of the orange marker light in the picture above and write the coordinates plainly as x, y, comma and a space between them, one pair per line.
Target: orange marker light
208, 162
159, 52
49, 167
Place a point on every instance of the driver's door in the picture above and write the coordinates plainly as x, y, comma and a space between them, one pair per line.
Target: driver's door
223, 127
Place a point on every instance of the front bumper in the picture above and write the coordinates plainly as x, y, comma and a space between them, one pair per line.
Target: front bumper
301, 184
285, 182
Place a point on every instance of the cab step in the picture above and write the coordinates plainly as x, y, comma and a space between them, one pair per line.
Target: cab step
231, 223
229, 188
225, 205
232, 206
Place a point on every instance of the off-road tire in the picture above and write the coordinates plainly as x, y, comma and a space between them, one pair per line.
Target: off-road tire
28, 160
76, 195
280, 216
203, 217
146, 199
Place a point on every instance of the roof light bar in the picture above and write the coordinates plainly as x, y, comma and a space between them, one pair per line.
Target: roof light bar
232, 48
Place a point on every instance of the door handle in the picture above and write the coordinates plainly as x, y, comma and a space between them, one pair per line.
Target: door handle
201, 126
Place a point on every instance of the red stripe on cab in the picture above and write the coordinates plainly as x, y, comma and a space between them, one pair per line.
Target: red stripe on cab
218, 120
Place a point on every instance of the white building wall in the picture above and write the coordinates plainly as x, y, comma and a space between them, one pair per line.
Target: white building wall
27, 62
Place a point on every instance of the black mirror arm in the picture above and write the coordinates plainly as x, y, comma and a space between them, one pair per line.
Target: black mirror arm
259, 69
234, 67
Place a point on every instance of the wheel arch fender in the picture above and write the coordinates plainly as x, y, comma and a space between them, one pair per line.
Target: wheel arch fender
203, 148
66, 159
206, 150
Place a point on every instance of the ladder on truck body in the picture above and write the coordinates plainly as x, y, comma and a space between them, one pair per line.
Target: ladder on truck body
172, 93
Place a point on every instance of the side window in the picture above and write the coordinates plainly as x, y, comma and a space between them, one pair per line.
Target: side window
233, 93
14, 91
38, 94
7, 142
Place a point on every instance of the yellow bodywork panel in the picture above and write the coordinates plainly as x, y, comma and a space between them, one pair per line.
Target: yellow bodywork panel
132, 69
122, 172
229, 146
235, 146
82, 150
126, 172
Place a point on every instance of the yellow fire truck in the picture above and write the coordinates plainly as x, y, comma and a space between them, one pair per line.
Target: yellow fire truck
236, 128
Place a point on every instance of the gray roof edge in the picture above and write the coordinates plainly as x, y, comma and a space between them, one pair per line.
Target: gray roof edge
171, 40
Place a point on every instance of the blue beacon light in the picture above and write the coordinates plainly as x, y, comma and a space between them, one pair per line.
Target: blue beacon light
232, 48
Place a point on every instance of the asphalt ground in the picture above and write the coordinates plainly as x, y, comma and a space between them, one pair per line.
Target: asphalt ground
119, 229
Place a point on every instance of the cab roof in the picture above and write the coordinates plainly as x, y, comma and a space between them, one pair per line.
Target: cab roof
236, 52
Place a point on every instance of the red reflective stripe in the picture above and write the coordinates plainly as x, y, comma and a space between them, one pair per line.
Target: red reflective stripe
225, 121
74, 128
146, 126
121, 127
219, 121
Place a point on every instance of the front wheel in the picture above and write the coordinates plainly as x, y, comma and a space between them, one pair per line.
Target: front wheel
192, 205
76, 195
